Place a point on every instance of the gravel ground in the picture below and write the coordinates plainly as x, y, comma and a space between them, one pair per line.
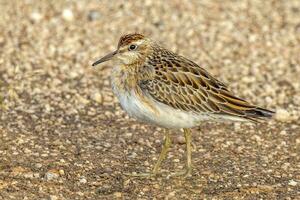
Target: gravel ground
64, 136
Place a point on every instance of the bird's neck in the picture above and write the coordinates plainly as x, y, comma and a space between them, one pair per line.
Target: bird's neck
124, 78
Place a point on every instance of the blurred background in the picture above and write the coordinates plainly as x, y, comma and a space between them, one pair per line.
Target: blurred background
64, 136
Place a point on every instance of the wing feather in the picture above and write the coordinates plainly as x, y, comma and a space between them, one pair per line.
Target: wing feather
182, 84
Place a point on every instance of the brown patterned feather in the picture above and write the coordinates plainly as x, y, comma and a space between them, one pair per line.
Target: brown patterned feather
182, 84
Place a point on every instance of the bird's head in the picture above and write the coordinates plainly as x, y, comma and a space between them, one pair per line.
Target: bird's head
132, 48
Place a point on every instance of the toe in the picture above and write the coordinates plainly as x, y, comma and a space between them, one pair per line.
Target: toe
142, 175
185, 173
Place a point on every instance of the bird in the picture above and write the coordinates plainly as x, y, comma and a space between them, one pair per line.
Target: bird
157, 86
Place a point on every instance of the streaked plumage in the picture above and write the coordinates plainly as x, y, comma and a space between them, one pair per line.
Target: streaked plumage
160, 87
181, 84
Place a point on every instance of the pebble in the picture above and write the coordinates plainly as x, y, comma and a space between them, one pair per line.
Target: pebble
36, 16
27, 151
47, 108
67, 14
141, 141
282, 115
257, 138
16, 171
107, 145
132, 155
118, 194
80, 193
171, 194
94, 15
61, 172
180, 139
237, 126
36, 175
97, 96
53, 197
82, 99
51, 175
282, 132
83, 180
293, 183
146, 163
128, 134
28, 175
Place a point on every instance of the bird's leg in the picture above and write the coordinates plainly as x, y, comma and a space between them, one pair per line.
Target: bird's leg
163, 152
188, 168
162, 156
188, 139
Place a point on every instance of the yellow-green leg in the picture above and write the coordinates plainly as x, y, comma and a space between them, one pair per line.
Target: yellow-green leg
188, 139
188, 168
163, 153
162, 156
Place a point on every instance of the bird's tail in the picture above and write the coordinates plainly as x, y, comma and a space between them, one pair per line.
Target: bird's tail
259, 113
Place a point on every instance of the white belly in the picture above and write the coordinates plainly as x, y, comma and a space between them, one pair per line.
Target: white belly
165, 116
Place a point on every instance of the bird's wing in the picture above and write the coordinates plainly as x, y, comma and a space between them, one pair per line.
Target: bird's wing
182, 84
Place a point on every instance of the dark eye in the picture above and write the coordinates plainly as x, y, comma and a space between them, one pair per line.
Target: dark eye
132, 47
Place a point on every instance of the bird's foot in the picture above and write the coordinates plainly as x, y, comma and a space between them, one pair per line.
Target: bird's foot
143, 175
184, 173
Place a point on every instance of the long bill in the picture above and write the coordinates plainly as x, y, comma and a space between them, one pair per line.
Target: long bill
105, 58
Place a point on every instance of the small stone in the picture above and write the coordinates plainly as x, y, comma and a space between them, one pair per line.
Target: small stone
180, 140
282, 132
51, 175
128, 135
83, 180
27, 151
141, 141
93, 15
38, 165
282, 115
28, 175
133, 155
146, 163
237, 126
36, 16
82, 99
36, 175
172, 194
127, 182
118, 194
107, 145
47, 108
61, 172
80, 193
293, 183
97, 97
67, 14
16, 171
256, 138
53, 197
285, 166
